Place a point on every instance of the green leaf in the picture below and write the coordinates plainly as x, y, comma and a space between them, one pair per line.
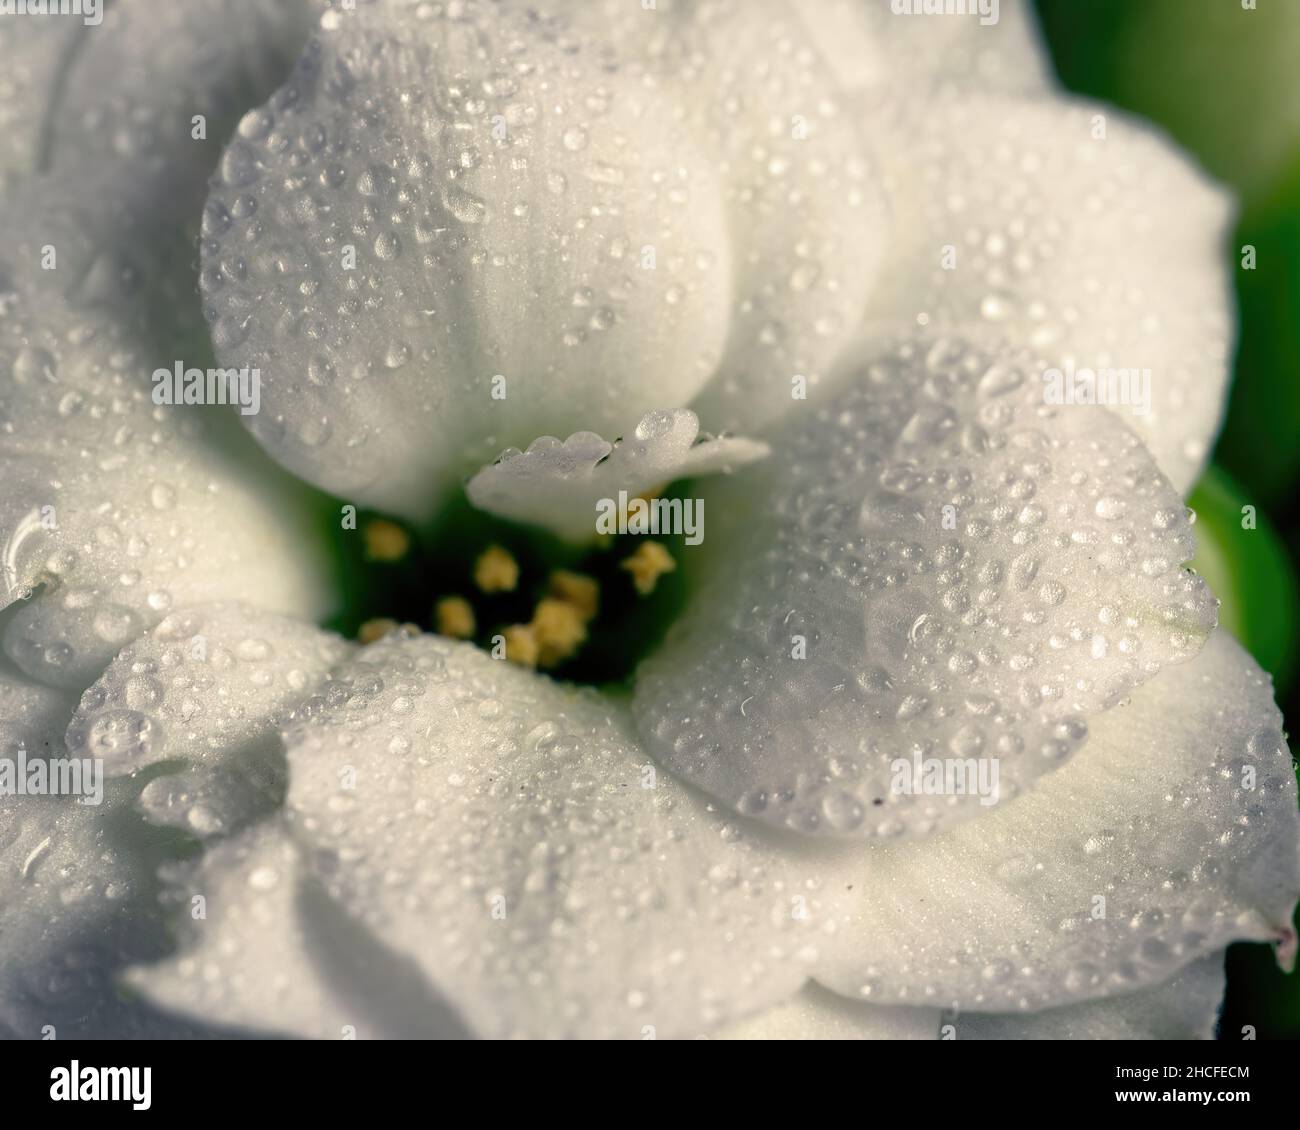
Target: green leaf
1220, 77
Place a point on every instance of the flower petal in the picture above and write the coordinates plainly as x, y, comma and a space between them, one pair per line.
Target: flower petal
73, 891
507, 836
1183, 1008
207, 688
118, 508
30, 54
871, 43
269, 955
198, 701
245, 962
205, 683
1173, 834
1077, 232
126, 119
67, 896
31, 715
1186, 1007
505, 192
561, 485
815, 1013
932, 564
806, 218
126, 93
121, 508
493, 831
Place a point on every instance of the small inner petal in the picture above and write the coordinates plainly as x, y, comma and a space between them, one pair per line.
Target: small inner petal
566, 487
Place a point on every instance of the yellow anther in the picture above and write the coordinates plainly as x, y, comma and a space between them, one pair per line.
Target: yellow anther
496, 570
373, 630
560, 630
650, 562
385, 540
581, 591
454, 616
521, 645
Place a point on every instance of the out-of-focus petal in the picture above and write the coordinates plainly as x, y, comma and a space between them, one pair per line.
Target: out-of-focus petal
117, 507
873, 45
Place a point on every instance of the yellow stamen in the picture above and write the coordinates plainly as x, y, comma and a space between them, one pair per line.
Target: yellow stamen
560, 630
385, 541
454, 616
581, 591
521, 645
647, 565
496, 570
373, 630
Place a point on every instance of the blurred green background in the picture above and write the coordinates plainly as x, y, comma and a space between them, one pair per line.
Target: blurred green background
1224, 80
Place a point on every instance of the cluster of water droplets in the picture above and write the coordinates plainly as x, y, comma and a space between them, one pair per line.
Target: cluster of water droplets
446, 230
207, 690
1139, 855
944, 567
1050, 225
118, 509
572, 857
576, 864
806, 216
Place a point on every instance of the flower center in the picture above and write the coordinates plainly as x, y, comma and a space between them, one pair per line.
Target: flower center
585, 615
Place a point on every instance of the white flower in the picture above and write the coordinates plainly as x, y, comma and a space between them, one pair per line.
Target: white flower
635, 223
